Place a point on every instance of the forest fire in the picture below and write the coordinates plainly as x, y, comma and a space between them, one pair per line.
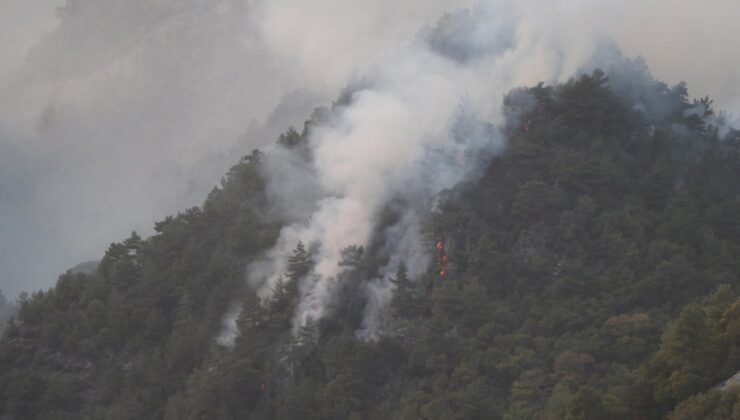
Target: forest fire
441, 258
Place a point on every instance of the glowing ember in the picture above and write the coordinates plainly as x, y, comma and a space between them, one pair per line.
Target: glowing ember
441, 258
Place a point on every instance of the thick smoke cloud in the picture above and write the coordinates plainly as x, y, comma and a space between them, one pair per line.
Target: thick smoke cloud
419, 120
408, 105
114, 114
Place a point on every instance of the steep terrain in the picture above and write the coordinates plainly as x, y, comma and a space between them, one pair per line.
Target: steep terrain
589, 272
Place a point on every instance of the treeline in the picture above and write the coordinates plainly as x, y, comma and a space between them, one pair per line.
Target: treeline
592, 274
7, 310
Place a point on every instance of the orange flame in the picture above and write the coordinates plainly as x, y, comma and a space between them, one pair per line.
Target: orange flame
441, 258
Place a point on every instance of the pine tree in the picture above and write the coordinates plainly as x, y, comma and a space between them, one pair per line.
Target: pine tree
403, 298
285, 291
250, 343
182, 345
282, 295
290, 138
299, 265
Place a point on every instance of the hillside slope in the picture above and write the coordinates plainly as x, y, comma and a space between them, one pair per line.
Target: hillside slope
590, 272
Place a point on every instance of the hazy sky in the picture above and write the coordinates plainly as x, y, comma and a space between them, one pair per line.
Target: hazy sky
114, 114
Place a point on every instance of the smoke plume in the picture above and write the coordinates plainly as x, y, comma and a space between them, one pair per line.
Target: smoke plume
421, 119
114, 114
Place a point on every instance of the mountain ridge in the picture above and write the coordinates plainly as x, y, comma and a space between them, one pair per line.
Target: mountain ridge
591, 275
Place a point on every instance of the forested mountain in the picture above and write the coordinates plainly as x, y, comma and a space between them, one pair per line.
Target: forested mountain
589, 272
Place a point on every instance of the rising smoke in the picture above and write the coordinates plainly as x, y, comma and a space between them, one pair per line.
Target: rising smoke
421, 119
114, 114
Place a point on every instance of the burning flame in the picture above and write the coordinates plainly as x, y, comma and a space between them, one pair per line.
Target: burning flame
441, 258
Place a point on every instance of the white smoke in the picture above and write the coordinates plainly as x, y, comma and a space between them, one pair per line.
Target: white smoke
422, 119
423, 112
114, 114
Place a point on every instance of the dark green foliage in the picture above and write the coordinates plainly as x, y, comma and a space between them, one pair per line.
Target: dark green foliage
290, 138
118, 342
403, 304
593, 275
715, 404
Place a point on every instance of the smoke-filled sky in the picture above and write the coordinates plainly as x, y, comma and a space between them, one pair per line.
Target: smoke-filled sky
114, 114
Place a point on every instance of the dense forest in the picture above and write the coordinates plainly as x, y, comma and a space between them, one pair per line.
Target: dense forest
590, 272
